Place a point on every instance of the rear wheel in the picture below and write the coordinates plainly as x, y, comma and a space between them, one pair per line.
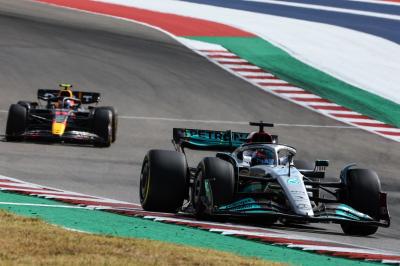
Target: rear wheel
362, 194
102, 127
213, 186
16, 122
163, 181
27, 105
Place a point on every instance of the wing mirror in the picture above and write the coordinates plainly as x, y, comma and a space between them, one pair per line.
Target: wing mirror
321, 163
320, 168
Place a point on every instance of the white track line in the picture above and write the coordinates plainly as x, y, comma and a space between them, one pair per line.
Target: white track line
269, 81
21, 185
391, 261
266, 79
43, 205
378, 2
258, 75
227, 122
230, 60
274, 88
150, 118
338, 249
41, 193
241, 66
332, 9
81, 199
51, 189
298, 95
132, 117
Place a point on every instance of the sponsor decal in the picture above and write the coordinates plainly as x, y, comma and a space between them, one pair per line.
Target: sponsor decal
293, 181
297, 192
49, 95
296, 197
87, 98
246, 207
216, 135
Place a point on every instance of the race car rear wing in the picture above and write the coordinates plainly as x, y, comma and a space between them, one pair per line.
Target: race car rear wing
85, 97
211, 140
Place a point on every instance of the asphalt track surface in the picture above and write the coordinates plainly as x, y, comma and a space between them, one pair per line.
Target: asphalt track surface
144, 73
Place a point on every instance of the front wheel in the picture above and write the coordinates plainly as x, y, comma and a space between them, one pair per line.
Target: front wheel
114, 121
362, 193
214, 185
163, 185
102, 127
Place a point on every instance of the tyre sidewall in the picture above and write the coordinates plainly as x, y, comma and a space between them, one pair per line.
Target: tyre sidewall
166, 186
16, 122
114, 120
362, 193
363, 188
221, 177
102, 126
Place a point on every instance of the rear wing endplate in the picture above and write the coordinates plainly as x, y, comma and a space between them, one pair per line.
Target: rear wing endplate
84, 97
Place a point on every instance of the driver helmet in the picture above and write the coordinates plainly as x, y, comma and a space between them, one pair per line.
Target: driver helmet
261, 156
68, 104
65, 92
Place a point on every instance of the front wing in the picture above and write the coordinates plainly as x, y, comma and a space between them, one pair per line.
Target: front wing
68, 136
335, 212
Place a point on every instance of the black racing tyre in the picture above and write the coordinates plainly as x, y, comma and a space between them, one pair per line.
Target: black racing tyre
163, 185
301, 164
25, 104
102, 127
114, 120
16, 122
362, 194
28, 105
219, 174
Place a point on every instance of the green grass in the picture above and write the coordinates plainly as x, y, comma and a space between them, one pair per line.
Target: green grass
30, 241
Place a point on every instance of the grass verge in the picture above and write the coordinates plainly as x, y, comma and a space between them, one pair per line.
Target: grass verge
30, 241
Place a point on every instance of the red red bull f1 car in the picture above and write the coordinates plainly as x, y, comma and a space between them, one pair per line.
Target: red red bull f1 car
60, 115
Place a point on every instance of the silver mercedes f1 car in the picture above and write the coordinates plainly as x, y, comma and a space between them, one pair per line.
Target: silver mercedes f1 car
253, 175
